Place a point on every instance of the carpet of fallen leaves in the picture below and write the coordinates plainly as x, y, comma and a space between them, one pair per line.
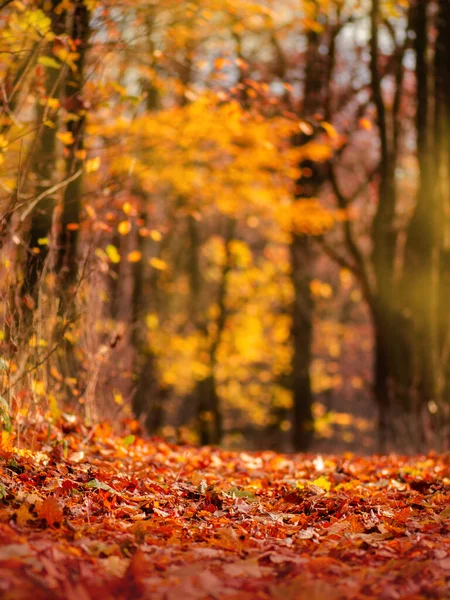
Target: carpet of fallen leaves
98, 516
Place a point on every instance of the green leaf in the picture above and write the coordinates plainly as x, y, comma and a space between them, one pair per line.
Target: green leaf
99, 485
235, 492
127, 441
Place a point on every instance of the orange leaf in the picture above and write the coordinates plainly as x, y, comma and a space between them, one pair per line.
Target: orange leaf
134, 256
50, 511
366, 124
220, 63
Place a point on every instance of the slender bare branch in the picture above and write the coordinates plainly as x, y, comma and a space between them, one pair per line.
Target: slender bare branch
49, 191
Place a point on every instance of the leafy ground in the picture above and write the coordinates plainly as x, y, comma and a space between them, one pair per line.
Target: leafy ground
90, 515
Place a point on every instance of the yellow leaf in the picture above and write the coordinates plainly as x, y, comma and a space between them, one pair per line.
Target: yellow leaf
38, 387
90, 211
23, 515
346, 278
320, 289
323, 483
53, 103
112, 253
316, 152
56, 374
330, 130
49, 62
118, 398
152, 321
158, 264
35, 343
66, 138
127, 208
53, 407
93, 164
80, 154
5, 440
155, 235
124, 227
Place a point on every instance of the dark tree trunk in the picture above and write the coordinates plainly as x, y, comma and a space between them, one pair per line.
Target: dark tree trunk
43, 167
209, 413
302, 315
442, 162
149, 396
209, 410
318, 76
67, 261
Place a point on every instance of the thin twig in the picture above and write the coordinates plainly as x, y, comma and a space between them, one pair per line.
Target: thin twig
335, 256
49, 191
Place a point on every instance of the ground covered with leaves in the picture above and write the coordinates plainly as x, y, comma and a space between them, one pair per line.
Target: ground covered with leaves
86, 514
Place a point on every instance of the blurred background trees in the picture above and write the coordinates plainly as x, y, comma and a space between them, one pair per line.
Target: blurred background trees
228, 219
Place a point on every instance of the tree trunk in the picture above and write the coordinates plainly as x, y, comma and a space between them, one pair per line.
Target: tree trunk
209, 410
442, 162
44, 168
419, 281
149, 396
67, 261
302, 315
317, 81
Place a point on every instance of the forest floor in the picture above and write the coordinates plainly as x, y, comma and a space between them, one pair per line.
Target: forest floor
89, 515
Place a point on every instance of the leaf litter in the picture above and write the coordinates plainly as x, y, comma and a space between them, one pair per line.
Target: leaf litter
90, 517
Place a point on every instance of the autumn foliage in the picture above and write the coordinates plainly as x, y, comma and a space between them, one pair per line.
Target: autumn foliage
225, 235
228, 219
87, 514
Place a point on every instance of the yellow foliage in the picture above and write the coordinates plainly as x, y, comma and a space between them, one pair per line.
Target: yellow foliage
323, 483
112, 253
158, 264
124, 227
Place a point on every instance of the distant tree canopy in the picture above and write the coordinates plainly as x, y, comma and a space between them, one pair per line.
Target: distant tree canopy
210, 208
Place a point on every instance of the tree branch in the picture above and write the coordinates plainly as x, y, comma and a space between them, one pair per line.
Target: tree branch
5, 4
343, 203
49, 191
335, 256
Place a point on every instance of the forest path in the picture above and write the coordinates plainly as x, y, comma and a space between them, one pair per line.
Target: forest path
124, 518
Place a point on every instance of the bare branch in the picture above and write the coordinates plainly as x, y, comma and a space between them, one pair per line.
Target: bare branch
335, 256
49, 191
361, 266
5, 4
